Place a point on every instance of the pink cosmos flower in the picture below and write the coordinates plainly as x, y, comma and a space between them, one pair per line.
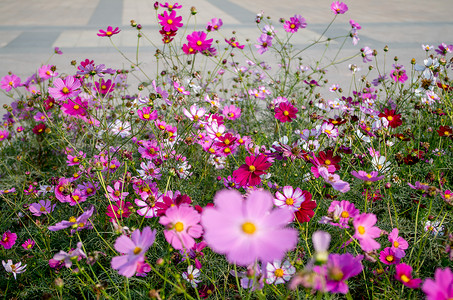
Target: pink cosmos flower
367, 54
4, 134
105, 86
145, 114
170, 7
195, 113
334, 180
248, 230
404, 275
119, 211
231, 112
28, 244
285, 112
232, 42
214, 24
8, 239
57, 51
264, 42
109, 32
398, 74
339, 213
329, 130
76, 107
134, 249
180, 88
441, 288
389, 257
249, 173
368, 178
9, 82
182, 226
63, 90
366, 232
338, 7
197, 41
294, 23
45, 72
170, 22
398, 243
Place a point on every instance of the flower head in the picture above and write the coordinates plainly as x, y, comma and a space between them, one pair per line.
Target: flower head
249, 173
8, 239
247, 230
170, 22
278, 272
366, 232
134, 249
404, 275
441, 288
16, 268
338, 7
109, 32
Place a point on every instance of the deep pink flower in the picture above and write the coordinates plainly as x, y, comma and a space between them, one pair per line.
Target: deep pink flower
441, 288
105, 86
294, 23
109, 32
8, 239
398, 74
134, 250
306, 209
232, 42
9, 82
146, 114
249, 173
389, 257
338, 7
404, 275
76, 107
119, 211
366, 232
4, 134
63, 90
248, 230
28, 244
39, 129
170, 22
197, 41
170, 7
339, 213
182, 226
285, 112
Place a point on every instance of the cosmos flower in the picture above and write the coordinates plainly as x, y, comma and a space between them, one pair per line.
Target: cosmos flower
109, 32
16, 268
404, 275
66, 89
8, 239
338, 7
134, 249
249, 173
366, 232
441, 288
248, 230
278, 272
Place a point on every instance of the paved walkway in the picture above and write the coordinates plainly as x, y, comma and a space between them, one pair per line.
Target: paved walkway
30, 29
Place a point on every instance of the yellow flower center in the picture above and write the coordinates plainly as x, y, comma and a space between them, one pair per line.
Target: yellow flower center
396, 244
137, 250
29, 246
103, 86
286, 113
368, 175
190, 276
65, 90
218, 134
169, 21
199, 43
76, 106
404, 278
76, 198
345, 214
292, 26
75, 159
42, 209
389, 258
117, 193
361, 229
108, 33
327, 162
11, 83
112, 166
278, 273
252, 168
226, 141
447, 196
72, 219
289, 201
248, 228
390, 118
327, 131
211, 150
179, 226
227, 150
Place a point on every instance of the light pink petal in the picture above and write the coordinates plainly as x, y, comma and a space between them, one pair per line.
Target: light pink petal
123, 244
258, 204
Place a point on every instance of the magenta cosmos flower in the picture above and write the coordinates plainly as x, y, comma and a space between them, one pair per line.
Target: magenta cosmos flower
134, 250
248, 230
398, 243
63, 90
182, 226
8, 239
170, 22
338, 7
198, 42
285, 112
366, 232
441, 288
404, 275
109, 32
249, 173
214, 24
294, 23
